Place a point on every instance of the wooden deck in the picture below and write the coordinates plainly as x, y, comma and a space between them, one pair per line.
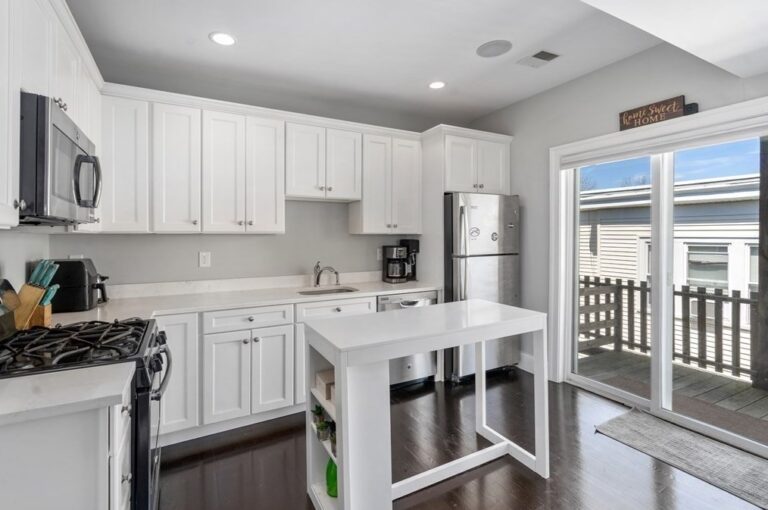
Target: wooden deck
705, 395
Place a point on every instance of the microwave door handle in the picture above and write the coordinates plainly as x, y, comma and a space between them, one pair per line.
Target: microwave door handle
93, 202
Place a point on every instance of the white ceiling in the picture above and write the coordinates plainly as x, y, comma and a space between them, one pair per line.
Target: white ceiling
381, 54
731, 34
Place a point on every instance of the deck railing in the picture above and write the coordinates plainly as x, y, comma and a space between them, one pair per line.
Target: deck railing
617, 312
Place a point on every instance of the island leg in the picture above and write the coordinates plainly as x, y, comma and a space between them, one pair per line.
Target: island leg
365, 444
541, 401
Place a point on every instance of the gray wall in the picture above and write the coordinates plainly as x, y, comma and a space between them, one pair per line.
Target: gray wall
588, 107
17, 249
314, 230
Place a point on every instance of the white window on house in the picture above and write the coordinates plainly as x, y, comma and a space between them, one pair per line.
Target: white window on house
753, 277
708, 266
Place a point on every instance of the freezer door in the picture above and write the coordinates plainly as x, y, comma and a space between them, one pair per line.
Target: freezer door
494, 278
485, 224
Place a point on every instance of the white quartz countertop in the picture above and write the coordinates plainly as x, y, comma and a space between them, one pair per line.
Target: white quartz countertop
408, 331
67, 391
147, 307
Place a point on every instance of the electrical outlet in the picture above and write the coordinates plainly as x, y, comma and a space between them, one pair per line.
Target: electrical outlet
204, 259
378, 254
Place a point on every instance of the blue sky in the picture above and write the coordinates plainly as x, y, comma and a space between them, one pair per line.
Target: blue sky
734, 158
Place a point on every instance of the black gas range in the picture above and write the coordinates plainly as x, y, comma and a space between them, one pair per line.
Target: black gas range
92, 343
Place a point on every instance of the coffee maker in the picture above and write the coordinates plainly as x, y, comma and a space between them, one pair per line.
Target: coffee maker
400, 261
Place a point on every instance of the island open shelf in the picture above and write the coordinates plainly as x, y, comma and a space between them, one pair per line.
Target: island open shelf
359, 348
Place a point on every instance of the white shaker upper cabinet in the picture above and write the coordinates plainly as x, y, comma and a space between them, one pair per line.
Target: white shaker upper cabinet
176, 168
33, 45
224, 150
125, 165
406, 186
373, 215
493, 167
265, 176
344, 165
9, 216
66, 72
271, 368
305, 161
460, 164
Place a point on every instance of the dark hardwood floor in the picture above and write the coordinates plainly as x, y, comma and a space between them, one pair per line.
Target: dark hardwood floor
262, 467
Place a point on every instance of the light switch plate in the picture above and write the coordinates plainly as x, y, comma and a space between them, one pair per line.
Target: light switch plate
204, 259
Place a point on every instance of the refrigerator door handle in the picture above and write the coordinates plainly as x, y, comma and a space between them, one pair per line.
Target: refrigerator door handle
463, 229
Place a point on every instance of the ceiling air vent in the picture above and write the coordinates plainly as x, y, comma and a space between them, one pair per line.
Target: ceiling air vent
538, 60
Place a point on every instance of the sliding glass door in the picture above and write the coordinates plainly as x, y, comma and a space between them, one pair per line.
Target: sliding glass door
668, 280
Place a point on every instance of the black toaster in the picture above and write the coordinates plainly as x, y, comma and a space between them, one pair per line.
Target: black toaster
81, 287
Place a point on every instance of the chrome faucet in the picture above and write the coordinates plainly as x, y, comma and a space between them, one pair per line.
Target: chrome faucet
319, 272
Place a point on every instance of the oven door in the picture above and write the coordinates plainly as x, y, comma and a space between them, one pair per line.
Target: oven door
74, 173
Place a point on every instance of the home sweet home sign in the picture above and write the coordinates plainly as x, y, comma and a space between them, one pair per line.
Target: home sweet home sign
652, 113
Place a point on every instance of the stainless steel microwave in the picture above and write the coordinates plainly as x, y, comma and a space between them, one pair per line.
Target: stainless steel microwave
60, 177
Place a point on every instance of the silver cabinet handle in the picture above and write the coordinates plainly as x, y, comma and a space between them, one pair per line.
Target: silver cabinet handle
256, 339
395, 225
330, 188
482, 186
126, 478
322, 188
245, 341
97, 220
337, 309
194, 222
241, 223
251, 318
389, 225
474, 186
250, 222
125, 410
19, 204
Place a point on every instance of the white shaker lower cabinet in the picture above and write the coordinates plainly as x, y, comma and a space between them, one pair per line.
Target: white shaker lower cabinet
125, 165
392, 175
226, 376
223, 172
176, 168
271, 368
265, 176
247, 372
180, 408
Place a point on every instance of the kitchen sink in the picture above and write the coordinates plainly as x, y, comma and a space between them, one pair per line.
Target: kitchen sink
333, 290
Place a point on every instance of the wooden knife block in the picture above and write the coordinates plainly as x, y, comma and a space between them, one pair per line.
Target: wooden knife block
42, 316
30, 297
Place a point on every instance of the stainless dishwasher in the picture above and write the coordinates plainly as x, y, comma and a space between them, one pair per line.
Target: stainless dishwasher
420, 366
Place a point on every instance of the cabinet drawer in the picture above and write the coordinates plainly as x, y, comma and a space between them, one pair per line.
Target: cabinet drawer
306, 311
247, 318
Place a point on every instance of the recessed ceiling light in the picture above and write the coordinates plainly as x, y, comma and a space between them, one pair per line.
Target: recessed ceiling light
437, 85
494, 48
222, 38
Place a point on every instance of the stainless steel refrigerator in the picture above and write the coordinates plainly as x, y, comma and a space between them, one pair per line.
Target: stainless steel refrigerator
482, 260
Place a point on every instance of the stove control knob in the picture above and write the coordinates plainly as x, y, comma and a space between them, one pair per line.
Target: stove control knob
125, 410
127, 478
156, 364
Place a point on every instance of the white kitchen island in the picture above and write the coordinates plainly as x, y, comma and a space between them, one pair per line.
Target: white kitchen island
359, 348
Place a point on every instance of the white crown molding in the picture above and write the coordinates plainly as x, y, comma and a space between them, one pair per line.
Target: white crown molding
62, 11
445, 129
158, 96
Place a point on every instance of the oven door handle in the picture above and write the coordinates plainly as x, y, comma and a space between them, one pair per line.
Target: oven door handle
158, 393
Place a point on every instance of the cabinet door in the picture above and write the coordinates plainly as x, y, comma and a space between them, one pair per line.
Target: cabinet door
226, 376
180, 401
8, 167
300, 365
176, 168
377, 185
344, 165
265, 176
223, 172
33, 23
406, 186
493, 167
460, 164
66, 71
271, 368
125, 165
305, 161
